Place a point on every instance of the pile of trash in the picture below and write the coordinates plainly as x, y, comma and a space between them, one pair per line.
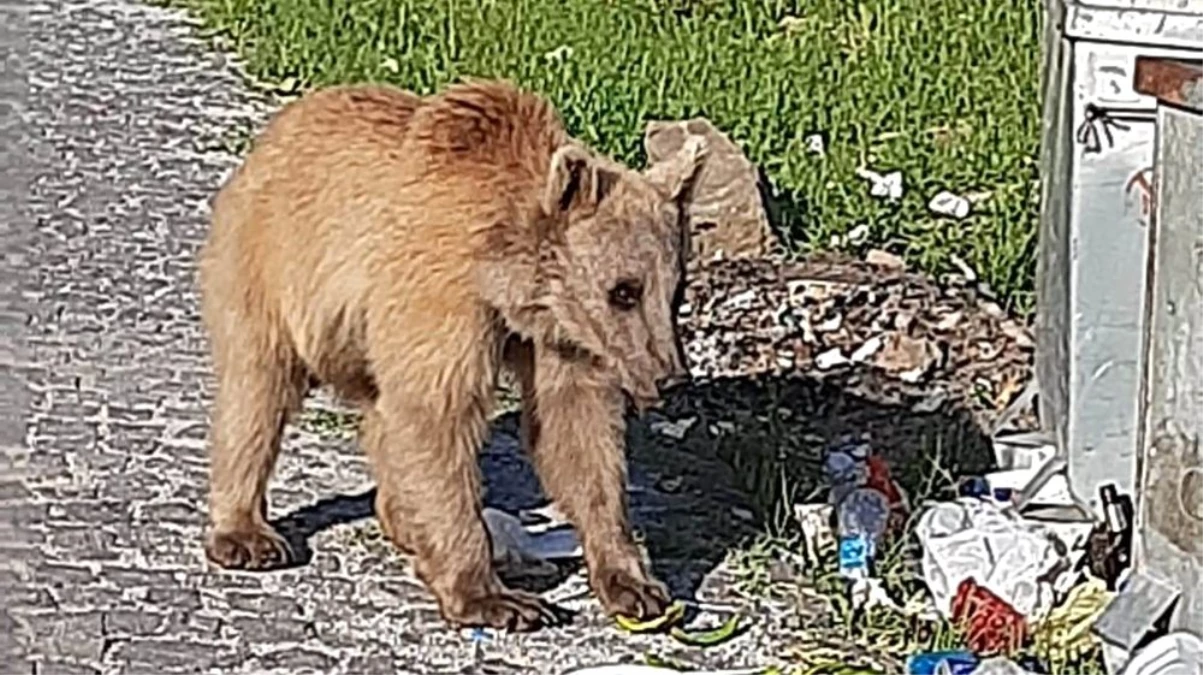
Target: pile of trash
1017, 588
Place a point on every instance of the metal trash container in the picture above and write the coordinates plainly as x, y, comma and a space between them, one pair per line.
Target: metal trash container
1098, 153
1165, 588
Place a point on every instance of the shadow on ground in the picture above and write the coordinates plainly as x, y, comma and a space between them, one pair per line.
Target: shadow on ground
744, 450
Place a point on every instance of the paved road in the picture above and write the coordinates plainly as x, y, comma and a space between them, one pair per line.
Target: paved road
102, 569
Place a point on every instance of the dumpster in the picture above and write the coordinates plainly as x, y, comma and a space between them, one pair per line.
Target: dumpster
1165, 589
1097, 201
1119, 326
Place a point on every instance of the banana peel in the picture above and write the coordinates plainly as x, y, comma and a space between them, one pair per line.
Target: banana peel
671, 616
707, 638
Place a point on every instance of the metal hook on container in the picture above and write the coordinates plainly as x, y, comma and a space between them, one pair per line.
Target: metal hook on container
1107, 118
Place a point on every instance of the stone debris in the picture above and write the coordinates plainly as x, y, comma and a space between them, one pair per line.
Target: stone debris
726, 215
885, 259
876, 330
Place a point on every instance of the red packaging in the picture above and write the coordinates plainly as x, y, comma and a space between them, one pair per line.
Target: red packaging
991, 625
879, 479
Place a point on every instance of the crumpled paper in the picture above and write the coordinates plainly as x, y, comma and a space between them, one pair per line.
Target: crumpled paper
971, 538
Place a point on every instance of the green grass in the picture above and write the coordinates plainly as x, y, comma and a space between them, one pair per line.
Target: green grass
946, 92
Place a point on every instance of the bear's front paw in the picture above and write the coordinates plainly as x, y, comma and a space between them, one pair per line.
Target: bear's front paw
632, 595
251, 549
514, 611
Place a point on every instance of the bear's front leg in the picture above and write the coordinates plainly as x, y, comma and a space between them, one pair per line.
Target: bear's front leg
573, 427
427, 501
435, 373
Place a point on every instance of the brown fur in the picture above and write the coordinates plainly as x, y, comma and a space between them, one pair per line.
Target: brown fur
401, 250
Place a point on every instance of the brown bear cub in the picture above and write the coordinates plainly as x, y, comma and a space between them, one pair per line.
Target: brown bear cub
401, 250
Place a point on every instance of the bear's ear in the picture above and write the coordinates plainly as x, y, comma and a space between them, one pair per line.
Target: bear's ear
674, 175
576, 180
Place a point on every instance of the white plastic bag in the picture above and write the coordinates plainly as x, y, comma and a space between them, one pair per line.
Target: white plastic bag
973, 538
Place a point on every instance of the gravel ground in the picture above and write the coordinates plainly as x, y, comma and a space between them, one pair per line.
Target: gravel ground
102, 500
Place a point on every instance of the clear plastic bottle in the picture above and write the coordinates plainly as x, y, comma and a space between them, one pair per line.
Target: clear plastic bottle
862, 515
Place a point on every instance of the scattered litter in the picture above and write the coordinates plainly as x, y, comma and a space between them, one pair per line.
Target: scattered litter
541, 518
817, 533
674, 429
1065, 634
888, 186
870, 592
742, 513
478, 637
1110, 543
991, 625
390, 64
858, 234
515, 544
866, 502
672, 615
561, 53
845, 467
977, 539
952, 662
980, 487
862, 516
670, 620
965, 269
1178, 653
816, 145
946, 203
850, 465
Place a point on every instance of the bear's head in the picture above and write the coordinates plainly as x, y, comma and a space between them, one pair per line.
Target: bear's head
611, 253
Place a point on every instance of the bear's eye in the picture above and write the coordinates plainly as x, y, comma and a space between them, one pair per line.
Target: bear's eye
625, 295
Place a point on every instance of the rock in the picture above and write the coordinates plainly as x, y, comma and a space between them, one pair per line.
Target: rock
904, 355
725, 214
830, 359
926, 345
886, 260
868, 349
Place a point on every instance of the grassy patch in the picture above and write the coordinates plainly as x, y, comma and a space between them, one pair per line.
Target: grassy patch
329, 424
946, 92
